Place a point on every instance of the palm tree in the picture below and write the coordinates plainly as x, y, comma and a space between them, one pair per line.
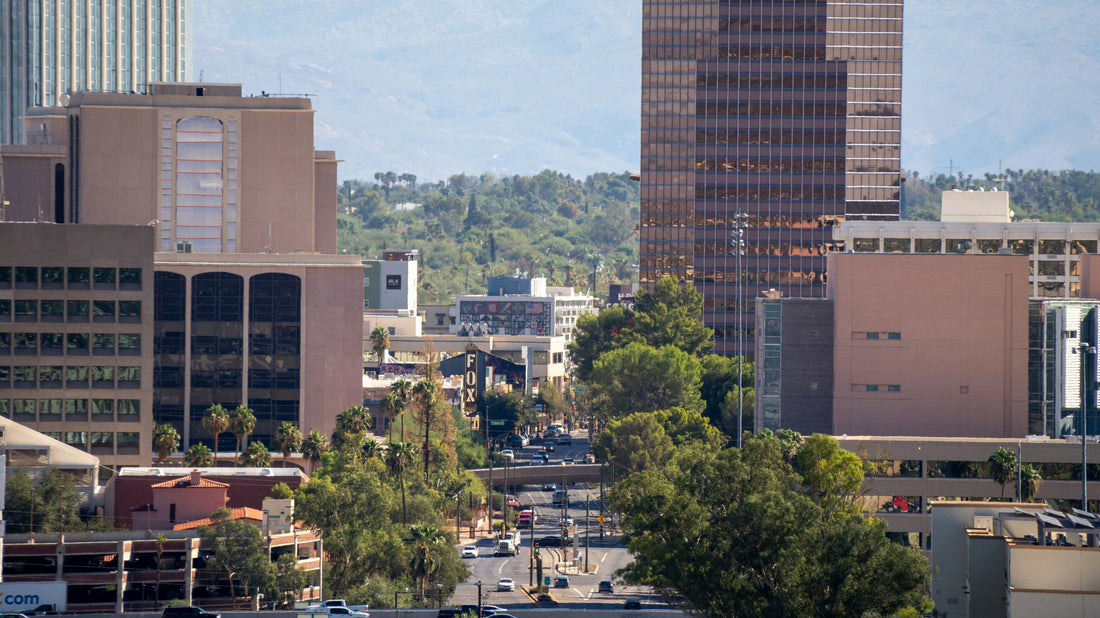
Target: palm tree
256, 455
400, 455
391, 403
1031, 479
215, 420
1003, 467
380, 342
241, 423
289, 439
372, 448
165, 440
313, 446
423, 563
198, 456
351, 427
403, 389
426, 394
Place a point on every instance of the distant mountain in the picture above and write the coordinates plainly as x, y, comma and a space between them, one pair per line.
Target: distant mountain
514, 86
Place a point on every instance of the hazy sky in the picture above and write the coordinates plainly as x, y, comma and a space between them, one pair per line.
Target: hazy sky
514, 86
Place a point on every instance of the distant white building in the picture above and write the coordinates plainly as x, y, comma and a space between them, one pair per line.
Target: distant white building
518, 305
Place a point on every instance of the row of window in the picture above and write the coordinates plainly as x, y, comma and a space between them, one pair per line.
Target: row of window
795, 109
72, 277
100, 442
70, 344
876, 388
1018, 246
877, 335
75, 311
69, 376
74, 410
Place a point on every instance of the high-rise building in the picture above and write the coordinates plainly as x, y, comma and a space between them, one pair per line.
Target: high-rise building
764, 123
49, 48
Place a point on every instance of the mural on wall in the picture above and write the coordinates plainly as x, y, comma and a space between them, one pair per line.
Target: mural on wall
510, 317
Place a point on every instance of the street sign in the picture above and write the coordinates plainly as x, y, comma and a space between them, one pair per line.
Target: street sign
546, 581
496, 423
578, 390
600, 519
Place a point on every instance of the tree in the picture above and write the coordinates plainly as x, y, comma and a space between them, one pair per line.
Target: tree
1002, 466
256, 456
398, 458
352, 425
215, 421
640, 378
593, 335
391, 405
402, 388
635, 443
734, 533
1031, 479
198, 456
380, 342
289, 579
165, 440
424, 539
289, 439
313, 446
670, 315
241, 423
832, 477
426, 394
239, 554
49, 504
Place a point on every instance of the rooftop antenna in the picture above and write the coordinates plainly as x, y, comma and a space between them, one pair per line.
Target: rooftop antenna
1000, 174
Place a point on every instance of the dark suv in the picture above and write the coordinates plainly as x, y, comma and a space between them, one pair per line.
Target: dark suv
187, 612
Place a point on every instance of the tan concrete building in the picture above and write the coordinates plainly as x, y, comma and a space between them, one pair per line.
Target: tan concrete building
929, 345
253, 305
76, 335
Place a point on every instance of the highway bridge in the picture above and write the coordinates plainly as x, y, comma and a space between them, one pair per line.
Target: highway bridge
549, 473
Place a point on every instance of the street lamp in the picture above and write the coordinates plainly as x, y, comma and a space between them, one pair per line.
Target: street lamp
737, 243
1086, 391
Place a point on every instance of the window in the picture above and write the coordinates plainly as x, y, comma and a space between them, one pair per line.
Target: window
79, 278
103, 442
53, 311
872, 388
26, 311
26, 278
76, 344
129, 409
893, 388
103, 407
104, 278
76, 377
129, 345
49, 410
129, 377
393, 331
103, 344
129, 311
129, 443
49, 376
5, 343
23, 407
53, 278
5, 277
103, 377
24, 376
78, 439
129, 278
5, 408
893, 336
76, 409
103, 310
78, 310
5, 310
50, 344
873, 336
26, 344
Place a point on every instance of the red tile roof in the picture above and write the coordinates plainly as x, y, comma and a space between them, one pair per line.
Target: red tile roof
184, 482
244, 512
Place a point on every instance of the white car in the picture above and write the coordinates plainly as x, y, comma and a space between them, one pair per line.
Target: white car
505, 584
565, 521
470, 551
508, 454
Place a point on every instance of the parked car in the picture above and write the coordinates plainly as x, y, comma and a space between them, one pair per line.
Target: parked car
187, 612
492, 610
505, 584
508, 454
606, 586
561, 581
632, 603
470, 551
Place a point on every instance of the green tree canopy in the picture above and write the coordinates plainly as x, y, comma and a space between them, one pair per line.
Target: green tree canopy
239, 555
640, 378
735, 533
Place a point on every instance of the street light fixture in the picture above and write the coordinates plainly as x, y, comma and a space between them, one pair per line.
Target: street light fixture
1086, 391
737, 243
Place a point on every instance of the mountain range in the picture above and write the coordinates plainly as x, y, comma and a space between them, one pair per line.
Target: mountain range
515, 86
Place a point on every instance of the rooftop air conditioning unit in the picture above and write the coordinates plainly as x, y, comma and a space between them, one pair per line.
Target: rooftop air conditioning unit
183, 246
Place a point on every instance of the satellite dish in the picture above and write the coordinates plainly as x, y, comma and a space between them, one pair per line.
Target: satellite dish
63, 99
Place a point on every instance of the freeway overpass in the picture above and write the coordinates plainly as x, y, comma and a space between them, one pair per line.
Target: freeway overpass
550, 473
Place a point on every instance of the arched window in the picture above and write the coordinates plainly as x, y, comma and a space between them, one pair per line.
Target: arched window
199, 183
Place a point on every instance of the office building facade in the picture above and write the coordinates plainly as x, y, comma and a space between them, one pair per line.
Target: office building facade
764, 123
49, 48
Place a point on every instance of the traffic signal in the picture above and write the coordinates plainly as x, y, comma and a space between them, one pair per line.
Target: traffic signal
536, 550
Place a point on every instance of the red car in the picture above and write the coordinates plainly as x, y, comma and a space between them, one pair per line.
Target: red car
511, 501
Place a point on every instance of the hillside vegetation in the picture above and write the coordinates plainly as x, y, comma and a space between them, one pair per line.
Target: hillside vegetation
1043, 195
469, 228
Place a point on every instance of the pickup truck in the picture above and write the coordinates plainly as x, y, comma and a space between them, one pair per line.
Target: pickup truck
339, 607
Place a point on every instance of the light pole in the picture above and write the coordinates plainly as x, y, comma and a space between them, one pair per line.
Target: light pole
737, 241
1086, 390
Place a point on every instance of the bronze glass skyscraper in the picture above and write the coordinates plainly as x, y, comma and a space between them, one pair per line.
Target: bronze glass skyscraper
777, 118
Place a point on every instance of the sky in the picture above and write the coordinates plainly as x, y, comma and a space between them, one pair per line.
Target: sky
441, 87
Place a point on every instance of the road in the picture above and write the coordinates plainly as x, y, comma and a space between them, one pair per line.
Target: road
604, 555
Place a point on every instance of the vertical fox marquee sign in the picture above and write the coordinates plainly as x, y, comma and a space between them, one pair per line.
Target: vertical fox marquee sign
470, 375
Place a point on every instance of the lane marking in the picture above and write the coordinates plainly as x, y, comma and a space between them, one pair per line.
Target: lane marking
604, 557
500, 570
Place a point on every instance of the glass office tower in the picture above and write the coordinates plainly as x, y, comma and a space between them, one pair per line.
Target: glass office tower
54, 47
764, 124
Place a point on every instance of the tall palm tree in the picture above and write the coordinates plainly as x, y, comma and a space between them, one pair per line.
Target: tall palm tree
372, 449
380, 342
391, 403
423, 563
215, 420
289, 439
1003, 467
1031, 479
403, 389
198, 456
165, 440
241, 423
426, 394
399, 457
313, 446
